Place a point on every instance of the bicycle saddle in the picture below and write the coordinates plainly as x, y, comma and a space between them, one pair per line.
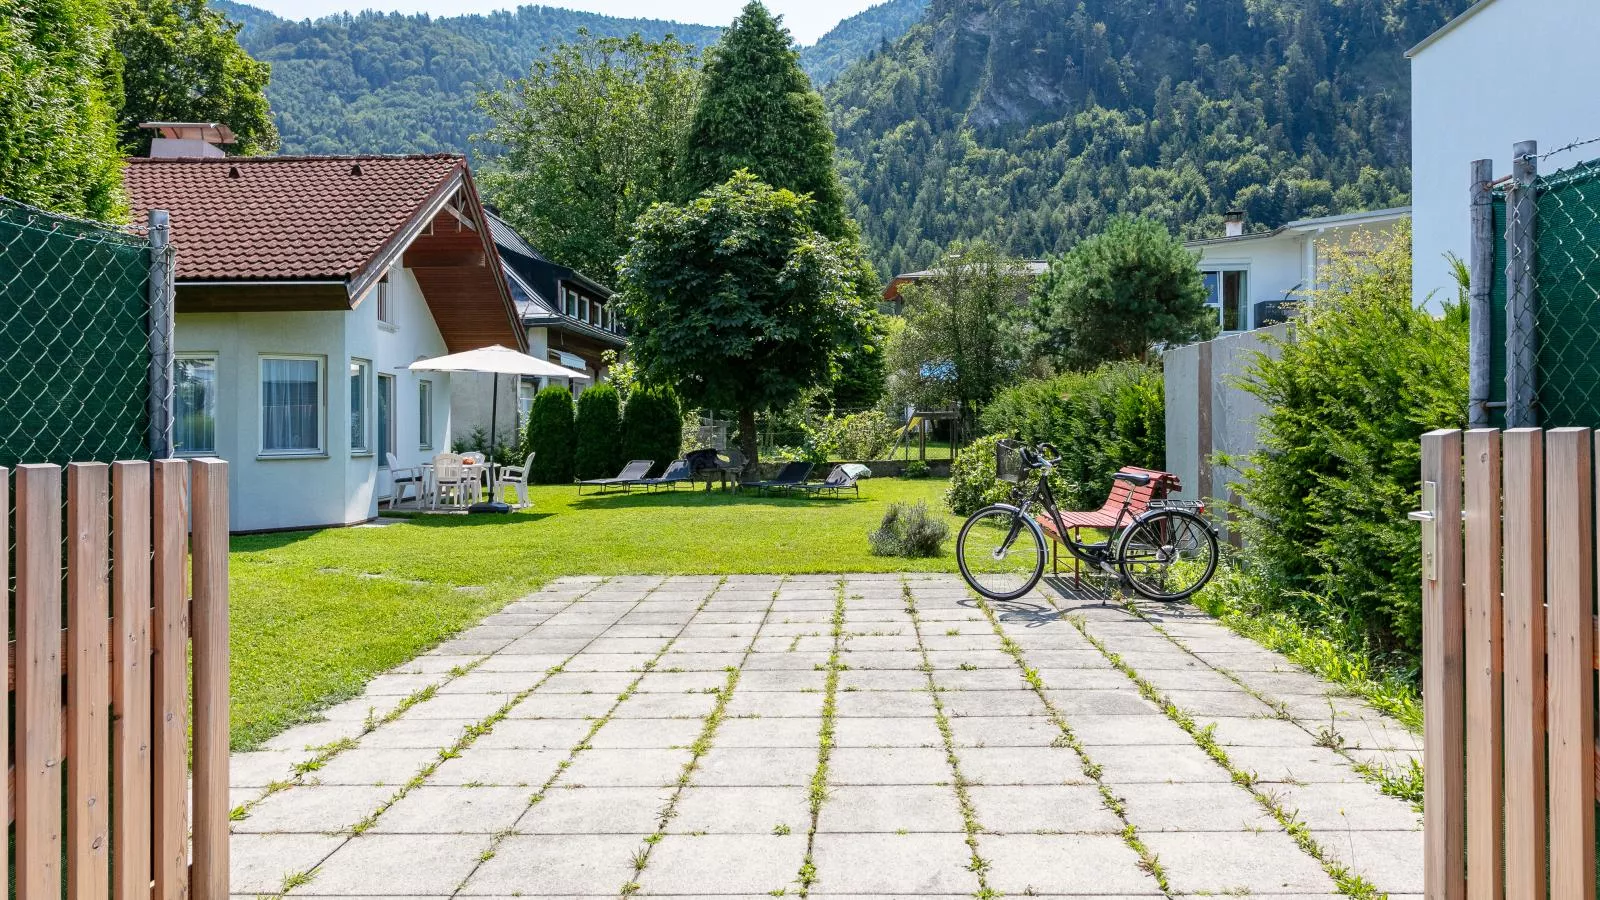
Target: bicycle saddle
1132, 478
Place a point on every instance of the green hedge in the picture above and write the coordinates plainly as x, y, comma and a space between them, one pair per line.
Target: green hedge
598, 450
1100, 420
652, 427
550, 436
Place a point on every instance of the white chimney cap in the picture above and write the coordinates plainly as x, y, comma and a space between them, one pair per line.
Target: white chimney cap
210, 132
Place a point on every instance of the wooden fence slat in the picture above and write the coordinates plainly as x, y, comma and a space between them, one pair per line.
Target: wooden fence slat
1484, 664
1523, 450
1444, 686
88, 751
130, 683
209, 879
38, 696
5, 629
1569, 621
169, 635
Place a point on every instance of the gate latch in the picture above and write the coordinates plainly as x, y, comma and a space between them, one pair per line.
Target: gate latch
1428, 516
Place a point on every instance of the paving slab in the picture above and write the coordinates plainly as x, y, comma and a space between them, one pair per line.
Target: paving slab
701, 865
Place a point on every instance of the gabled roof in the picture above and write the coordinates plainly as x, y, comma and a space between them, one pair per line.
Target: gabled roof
1448, 27
286, 218
528, 270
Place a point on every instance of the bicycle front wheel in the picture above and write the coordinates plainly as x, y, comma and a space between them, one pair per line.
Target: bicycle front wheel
1001, 552
1167, 554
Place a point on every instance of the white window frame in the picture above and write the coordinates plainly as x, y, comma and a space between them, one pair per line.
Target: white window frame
216, 368
424, 414
365, 448
321, 450
1246, 310
384, 301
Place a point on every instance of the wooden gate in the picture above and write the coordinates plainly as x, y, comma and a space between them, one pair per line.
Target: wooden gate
1508, 616
99, 754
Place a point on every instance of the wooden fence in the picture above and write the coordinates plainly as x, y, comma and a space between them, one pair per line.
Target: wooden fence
104, 693
1509, 663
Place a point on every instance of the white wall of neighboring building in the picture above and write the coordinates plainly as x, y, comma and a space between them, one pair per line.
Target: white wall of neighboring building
1503, 72
1272, 261
337, 486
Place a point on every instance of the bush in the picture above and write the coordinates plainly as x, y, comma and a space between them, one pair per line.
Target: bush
909, 531
972, 481
859, 436
1100, 420
550, 436
652, 427
1326, 498
916, 469
598, 453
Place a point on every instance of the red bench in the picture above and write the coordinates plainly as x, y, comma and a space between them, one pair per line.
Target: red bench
1127, 501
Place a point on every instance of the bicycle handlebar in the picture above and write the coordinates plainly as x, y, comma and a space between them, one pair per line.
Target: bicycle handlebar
1042, 456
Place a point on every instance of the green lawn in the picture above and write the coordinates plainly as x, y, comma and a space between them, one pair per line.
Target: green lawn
318, 613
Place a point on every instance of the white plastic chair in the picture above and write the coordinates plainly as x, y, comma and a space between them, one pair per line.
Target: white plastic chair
477, 469
516, 478
450, 478
405, 477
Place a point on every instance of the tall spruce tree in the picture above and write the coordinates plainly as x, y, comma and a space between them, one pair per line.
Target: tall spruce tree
758, 112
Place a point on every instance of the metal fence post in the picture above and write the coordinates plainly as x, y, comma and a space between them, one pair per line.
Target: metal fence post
1522, 344
162, 302
1480, 294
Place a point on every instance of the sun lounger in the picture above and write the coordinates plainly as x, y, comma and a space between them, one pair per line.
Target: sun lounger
792, 474
631, 474
676, 474
838, 481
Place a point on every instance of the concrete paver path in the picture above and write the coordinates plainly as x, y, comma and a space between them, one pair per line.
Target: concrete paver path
831, 736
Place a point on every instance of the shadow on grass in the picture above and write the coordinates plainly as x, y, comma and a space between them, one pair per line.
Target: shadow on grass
618, 500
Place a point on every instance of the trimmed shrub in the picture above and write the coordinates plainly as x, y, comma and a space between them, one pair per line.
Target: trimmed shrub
598, 450
1100, 420
909, 530
550, 436
1326, 497
652, 427
917, 469
972, 482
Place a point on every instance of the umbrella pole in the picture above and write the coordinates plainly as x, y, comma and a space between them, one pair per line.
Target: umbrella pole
493, 505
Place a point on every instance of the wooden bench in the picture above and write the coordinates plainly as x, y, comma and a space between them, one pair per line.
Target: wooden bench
1127, 501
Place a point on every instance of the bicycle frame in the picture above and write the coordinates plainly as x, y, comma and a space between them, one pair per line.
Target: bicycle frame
1094, 554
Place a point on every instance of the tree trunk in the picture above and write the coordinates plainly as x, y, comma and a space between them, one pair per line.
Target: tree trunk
748, 444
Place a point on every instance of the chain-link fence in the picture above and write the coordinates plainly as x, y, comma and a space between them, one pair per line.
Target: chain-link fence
75, 347
1544, 353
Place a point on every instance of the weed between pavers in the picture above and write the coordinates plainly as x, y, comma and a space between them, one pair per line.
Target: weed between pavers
969, 816
807, 875
1345, 881
1148, 861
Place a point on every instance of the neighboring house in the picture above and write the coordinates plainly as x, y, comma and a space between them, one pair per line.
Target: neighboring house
571, 320
306, 286
1503, 71
894, 304
1254, 279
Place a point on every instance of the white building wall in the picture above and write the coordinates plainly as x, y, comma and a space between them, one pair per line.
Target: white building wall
336, 487
1515, 70
1274, 264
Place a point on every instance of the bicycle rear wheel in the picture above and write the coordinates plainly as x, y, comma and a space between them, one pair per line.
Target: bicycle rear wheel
1001, 552
1167, 554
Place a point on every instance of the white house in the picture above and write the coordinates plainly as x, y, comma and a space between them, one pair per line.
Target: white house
1501, 72
1253, 277
306, 286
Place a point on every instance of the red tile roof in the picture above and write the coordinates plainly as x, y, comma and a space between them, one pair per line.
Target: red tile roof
284, 217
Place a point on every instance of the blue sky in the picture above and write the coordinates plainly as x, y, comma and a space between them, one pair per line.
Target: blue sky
807, 19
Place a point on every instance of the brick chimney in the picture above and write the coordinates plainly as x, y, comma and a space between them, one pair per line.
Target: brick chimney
188, 140
1233, 223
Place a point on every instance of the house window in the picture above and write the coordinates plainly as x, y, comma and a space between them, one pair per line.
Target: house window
425, 415
527, 388
194, 406
584, 309
572, 303
360, 389
291, 404
385, 305
1227, 291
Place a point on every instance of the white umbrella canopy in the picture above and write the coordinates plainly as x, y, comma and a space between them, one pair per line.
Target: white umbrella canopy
498, 360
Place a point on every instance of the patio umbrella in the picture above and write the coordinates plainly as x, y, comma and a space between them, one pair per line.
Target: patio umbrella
497, 361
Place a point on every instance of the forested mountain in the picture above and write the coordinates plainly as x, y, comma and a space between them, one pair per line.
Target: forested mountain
1030, 122
859, 36
392, 83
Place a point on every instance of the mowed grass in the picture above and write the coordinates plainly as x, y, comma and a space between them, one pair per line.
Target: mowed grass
316, 614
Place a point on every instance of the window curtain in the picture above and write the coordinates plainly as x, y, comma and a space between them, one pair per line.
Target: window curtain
194, 426
290, 400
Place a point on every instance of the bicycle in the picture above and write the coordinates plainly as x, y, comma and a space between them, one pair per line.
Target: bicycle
1166, 551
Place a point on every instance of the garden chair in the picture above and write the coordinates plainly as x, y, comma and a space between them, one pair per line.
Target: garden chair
403, 477
631, 474
451, 479
837, 482
677, 473
790, 475
516, 478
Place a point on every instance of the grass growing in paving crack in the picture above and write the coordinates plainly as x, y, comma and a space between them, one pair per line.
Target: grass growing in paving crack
969, 816
700, 747
1130, 834
819, 778
1345, 881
